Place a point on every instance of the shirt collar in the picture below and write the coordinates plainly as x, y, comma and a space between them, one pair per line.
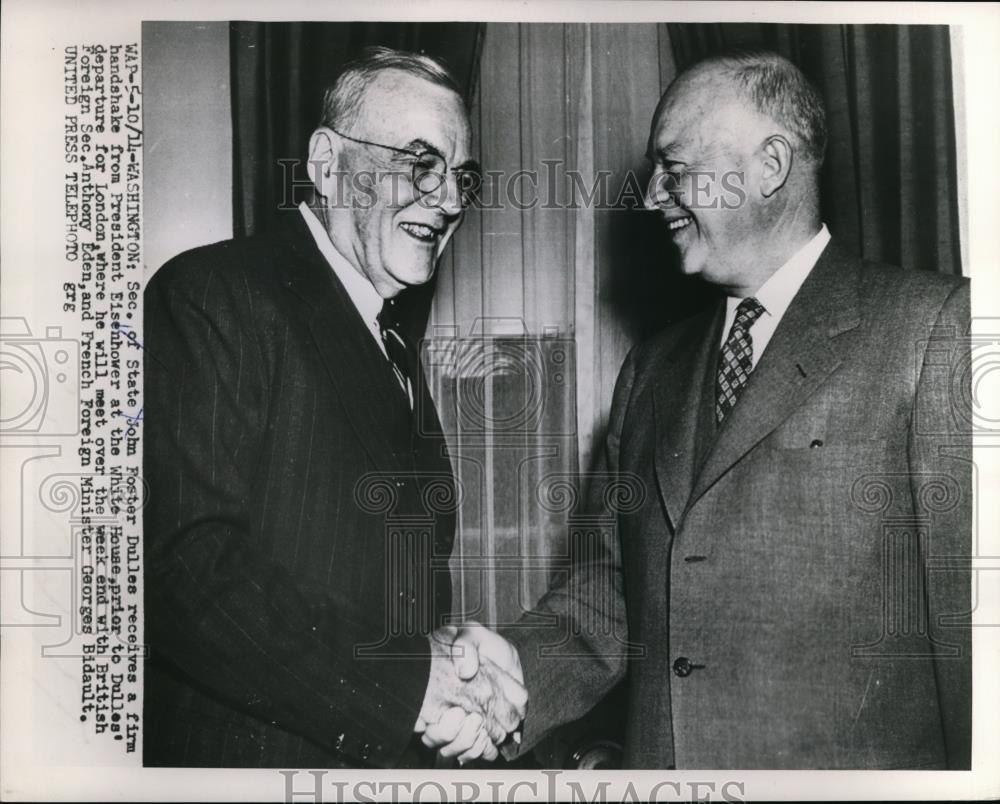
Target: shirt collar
778, 291
358, 286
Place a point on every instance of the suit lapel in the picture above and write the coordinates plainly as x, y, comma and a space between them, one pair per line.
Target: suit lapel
801, 355
348, 352
677, 398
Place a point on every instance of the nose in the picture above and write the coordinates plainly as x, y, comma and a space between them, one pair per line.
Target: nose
657, 195
447, 196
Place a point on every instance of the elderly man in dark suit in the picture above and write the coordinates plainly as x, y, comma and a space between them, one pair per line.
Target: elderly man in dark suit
791, 590
301, 499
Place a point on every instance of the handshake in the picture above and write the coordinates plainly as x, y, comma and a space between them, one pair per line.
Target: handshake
475, 695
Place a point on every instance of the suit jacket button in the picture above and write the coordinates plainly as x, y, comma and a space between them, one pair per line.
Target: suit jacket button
365, 750
682, 666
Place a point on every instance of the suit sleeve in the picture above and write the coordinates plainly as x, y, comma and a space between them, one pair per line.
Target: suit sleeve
571, 663
220, 611
941, 477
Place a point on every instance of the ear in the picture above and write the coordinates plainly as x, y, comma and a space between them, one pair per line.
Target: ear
324, 155
776, 164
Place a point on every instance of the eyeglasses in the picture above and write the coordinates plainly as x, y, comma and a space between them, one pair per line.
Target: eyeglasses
429, 170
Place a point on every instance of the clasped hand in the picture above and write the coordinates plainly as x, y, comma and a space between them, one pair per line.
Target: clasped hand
475, 695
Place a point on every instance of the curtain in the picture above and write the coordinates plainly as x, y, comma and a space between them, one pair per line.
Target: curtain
890, 178
537, 305
558, 290
279, 72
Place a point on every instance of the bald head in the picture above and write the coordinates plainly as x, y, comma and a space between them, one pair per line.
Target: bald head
737, 143
763, 88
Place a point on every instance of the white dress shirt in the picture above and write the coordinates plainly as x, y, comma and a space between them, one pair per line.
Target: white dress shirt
359, 287
777, 293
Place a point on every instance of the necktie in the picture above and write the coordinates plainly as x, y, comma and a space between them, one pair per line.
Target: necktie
736, 358
395, 344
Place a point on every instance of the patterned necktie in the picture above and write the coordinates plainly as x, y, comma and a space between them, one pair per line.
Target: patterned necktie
736, 358
395, 344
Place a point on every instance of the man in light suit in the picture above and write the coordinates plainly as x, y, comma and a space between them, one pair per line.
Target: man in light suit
791, 592
301, 500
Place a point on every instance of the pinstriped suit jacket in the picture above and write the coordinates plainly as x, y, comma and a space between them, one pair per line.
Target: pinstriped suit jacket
299, 518
794, 590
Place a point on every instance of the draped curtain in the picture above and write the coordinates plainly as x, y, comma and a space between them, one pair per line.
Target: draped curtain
540, 275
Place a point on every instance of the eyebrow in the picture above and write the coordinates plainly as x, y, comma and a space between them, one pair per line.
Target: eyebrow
663, 154
423, 146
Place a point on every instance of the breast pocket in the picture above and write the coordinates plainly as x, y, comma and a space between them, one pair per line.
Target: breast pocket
823, 490
806, 458
817, 436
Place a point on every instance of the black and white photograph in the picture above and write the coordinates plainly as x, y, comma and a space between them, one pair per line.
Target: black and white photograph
732, 598
509, 394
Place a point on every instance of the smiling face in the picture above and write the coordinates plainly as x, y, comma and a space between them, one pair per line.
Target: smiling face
703, 144
383, 224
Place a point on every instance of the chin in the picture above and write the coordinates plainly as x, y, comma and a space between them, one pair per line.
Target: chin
691, 268
411, 275
693, 261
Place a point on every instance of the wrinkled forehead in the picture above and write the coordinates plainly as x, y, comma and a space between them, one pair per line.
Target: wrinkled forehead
699, 108
399, 108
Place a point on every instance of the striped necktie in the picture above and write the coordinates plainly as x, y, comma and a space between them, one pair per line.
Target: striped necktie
396, 347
